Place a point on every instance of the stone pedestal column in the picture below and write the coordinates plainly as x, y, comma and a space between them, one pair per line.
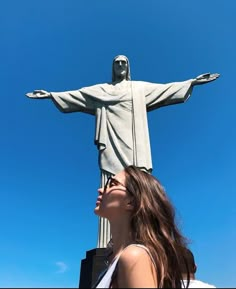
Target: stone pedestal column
91, 267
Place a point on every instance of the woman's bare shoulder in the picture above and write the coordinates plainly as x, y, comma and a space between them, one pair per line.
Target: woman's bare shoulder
134, 263
134, 253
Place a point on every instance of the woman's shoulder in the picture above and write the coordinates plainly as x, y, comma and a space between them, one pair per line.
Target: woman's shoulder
134, 263
133, 254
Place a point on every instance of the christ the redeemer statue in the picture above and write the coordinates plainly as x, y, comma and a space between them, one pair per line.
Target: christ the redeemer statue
120, 109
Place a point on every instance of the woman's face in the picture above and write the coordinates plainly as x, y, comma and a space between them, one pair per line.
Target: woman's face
113, 200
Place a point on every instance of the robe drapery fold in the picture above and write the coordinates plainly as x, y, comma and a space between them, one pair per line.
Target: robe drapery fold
121, 130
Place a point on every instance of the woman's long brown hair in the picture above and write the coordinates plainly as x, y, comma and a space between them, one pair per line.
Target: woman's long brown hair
153, 225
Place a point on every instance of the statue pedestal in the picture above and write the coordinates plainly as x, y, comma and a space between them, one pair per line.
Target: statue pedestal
91, 267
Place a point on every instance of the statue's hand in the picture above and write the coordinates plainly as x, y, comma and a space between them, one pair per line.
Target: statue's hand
38, 94
204, 78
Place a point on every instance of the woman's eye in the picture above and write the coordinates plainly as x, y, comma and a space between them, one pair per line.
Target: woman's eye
113, 183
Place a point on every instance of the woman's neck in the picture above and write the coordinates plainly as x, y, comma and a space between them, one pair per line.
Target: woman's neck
122, 237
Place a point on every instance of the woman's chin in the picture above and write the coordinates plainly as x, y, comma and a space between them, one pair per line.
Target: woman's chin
97, 211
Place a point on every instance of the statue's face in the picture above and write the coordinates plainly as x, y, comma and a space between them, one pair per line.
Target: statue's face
120, 67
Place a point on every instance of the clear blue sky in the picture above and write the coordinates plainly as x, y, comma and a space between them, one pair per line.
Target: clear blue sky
49, 171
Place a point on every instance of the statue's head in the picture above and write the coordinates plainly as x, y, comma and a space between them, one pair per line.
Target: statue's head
120, 68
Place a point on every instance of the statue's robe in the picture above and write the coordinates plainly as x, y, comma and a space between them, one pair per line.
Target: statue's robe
121, 133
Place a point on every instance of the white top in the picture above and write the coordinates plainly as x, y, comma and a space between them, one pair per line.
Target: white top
197, 284
106, 280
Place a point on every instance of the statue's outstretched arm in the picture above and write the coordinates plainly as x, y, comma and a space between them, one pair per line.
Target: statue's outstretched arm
39, 94
205, 78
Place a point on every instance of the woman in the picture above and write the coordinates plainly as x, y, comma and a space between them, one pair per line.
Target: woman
147, 245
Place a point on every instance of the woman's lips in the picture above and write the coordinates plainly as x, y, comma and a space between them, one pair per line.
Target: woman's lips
99, 200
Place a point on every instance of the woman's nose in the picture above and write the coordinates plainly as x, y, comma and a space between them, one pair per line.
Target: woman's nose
100, 190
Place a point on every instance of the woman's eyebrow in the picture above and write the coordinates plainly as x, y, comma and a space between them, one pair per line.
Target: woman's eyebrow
118, 182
